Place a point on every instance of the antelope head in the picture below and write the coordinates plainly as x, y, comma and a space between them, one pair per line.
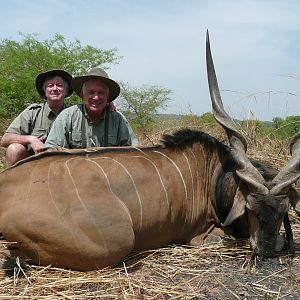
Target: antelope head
266, 203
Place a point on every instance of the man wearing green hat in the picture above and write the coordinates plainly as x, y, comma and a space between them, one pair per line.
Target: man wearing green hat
27, 133
90, 124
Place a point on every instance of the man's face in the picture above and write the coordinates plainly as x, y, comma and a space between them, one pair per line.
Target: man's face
95, 95
55, 89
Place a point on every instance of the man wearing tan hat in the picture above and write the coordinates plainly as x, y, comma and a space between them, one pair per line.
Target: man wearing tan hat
27, 133
90, 124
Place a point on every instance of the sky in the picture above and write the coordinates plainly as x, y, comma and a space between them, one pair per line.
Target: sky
255, 46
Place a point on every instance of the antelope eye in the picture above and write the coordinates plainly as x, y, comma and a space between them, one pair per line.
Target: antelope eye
251, 202
284, 205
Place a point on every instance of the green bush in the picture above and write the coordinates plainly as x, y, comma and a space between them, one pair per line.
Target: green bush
207, 119
285, 128
21, 62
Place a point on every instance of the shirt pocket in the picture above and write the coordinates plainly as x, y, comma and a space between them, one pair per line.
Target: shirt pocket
112, 140
39, 132
75, 139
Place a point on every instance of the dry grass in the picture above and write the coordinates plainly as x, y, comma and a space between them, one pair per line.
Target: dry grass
217, 271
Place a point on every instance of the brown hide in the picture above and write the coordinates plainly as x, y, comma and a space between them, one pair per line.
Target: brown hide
88, 209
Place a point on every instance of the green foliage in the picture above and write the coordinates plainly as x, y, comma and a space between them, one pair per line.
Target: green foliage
21, 62
252, 123
206, 119
285, 128
277, 129
141, 104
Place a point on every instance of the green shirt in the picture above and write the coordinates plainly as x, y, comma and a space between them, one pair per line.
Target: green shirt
36, 120
66, 131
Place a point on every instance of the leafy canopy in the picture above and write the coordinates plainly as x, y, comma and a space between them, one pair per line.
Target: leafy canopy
285, 128
21, 62
140, 104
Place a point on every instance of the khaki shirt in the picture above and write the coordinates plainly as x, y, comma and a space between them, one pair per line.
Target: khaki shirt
66, 131
35, 120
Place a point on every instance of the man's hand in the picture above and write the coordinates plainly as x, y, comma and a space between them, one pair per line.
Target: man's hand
37, 144
43, 138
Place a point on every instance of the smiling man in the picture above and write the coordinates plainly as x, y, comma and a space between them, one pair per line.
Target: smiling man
27, 133
90, 124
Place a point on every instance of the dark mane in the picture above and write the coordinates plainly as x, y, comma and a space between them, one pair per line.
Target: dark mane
266, 169
184, 138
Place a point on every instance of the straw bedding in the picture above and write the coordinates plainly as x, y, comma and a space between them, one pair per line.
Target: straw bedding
218, 271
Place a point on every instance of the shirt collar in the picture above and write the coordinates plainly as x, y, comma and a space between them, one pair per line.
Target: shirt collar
85, 113
48, 110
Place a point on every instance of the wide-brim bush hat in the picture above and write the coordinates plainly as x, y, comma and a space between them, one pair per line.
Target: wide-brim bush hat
41, 78
100, 74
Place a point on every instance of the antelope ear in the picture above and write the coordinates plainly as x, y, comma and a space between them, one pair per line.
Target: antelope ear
237, 209
284, 184
294, 200
253, 179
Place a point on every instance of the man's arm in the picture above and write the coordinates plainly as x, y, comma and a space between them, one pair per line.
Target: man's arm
57, 135
36, 144
9, 138
134, 140
124, 138
20, 132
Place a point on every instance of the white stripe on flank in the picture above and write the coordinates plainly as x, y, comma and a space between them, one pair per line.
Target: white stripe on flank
138, 149
133, 183
158, 173
178, 170
110, 189
60, 214
83, 205
193, 200
197, 169
159, 176
196, 203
